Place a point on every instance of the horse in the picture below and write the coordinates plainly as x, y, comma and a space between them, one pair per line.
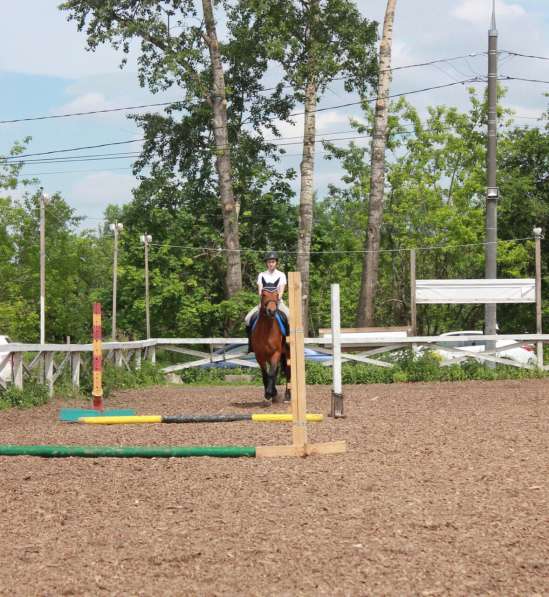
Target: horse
272, 352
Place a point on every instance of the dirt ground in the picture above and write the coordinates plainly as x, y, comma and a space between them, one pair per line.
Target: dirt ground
444, 490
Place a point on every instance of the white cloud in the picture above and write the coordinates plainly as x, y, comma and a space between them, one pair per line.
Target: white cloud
85, 103
478, 13
35, 38
93, 193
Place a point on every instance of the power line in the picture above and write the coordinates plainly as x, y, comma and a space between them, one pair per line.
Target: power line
26, 155
173, 102
343, 252
11, 159
77, 171
524, 55
507, 78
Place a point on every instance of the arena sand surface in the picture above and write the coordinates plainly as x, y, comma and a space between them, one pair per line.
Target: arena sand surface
443, 491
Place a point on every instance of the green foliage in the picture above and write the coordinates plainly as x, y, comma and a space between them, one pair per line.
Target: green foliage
119, 378
33, 394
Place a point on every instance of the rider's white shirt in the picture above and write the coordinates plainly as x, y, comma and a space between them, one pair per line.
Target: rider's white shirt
272, 277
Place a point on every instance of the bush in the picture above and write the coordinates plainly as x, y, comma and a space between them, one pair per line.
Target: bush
32, 394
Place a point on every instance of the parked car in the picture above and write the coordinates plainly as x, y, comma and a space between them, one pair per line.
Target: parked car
234, 349
524, 354
5, 372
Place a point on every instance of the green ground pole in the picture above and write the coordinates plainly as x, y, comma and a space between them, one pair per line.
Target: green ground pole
127, 451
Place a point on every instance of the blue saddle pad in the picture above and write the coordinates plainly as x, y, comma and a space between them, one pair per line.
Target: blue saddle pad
278, 318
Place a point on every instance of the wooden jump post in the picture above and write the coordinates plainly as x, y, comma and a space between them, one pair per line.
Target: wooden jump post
300, 446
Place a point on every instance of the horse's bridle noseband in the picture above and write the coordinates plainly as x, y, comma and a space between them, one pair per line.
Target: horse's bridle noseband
265, 305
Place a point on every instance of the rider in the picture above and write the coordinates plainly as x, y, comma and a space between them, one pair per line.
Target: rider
270, 279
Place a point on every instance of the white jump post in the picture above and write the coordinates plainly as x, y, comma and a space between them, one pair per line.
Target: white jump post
336, 409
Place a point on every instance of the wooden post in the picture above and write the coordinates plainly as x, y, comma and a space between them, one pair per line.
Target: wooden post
75, 371
413, 309
138, 359
118, 357
336, 409
299, 398
48, 371
17, 369
539, 347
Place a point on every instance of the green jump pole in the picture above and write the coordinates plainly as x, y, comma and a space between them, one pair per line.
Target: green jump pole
127, 451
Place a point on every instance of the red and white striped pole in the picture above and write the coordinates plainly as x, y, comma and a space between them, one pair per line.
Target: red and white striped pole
97, 392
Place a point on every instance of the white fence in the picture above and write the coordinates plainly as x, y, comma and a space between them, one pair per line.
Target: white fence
50, 360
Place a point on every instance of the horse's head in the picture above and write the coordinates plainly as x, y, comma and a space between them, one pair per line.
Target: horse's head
269, 302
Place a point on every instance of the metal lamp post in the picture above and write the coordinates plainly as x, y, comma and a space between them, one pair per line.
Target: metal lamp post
115, 228
146, 239
538, 235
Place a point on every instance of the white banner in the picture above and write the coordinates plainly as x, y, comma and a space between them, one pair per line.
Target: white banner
433, 292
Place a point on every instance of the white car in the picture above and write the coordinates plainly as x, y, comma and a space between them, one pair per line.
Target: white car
5, 371
524, 354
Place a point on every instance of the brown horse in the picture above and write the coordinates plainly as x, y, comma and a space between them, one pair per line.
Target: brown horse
272, 352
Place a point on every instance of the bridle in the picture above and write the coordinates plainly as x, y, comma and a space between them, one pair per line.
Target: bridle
269, 297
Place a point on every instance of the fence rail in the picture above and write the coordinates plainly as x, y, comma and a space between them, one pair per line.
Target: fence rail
18, 361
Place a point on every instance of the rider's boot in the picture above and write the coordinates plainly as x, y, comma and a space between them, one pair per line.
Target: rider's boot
249, 334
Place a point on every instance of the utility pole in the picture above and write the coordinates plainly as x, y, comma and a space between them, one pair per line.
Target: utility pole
44, 198
116, 228
146, 239
492, 193
538, 235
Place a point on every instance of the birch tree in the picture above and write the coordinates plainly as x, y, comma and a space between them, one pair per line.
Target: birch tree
315, 42
190, 59
370, 267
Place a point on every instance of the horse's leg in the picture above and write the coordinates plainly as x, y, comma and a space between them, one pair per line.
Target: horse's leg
285, 360
275, 361
265, 376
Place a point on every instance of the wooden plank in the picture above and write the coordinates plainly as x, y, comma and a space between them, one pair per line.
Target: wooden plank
48, 371
299, 397
277, 451
17, 369
358, 358
75, 371
337, 447
5, 361
365, 330
59, 369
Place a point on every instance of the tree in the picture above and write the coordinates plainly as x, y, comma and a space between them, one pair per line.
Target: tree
315, 41
191, 60
368, 286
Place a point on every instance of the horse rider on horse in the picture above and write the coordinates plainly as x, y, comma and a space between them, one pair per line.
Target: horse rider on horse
270, 279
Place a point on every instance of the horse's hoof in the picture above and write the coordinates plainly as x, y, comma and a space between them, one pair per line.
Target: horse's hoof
287, 396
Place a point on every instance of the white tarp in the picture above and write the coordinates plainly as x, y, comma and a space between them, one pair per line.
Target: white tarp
432, 292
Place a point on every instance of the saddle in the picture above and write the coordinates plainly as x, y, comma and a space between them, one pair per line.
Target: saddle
281, 319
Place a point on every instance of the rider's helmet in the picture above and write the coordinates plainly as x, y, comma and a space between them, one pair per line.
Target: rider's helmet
271, 255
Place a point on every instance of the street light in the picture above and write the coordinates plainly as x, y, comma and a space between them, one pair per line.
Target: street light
146, 239
115, 228
538, 235
44, 199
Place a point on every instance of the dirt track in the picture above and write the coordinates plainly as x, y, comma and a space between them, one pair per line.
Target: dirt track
444, 490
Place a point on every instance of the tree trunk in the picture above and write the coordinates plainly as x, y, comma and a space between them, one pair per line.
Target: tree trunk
218, 100
306, 195
370, 267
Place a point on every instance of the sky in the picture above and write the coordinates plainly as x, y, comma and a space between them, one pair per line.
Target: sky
46, 70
